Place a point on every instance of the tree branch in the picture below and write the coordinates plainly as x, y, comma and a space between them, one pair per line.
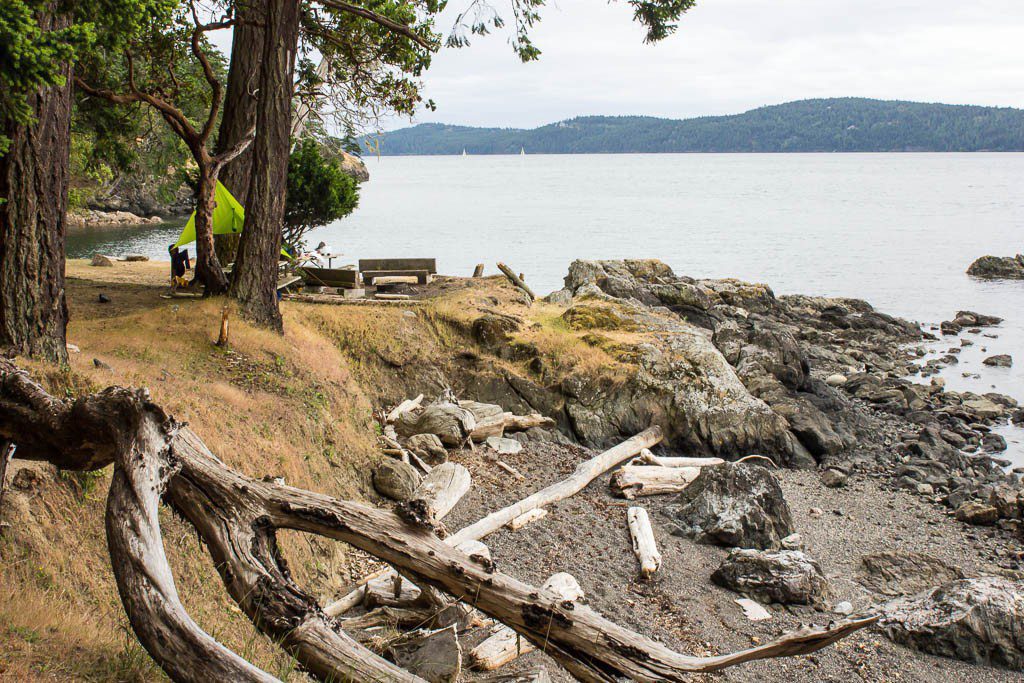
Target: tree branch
380, 20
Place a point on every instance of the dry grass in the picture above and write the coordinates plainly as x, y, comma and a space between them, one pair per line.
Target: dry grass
297, 406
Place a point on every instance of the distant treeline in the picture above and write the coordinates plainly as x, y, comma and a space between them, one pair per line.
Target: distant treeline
825, 125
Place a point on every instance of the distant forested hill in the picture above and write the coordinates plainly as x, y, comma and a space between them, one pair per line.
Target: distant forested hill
827, 125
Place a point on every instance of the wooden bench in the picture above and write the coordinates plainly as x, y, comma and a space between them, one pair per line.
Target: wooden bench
372, 264
422, 276
344, 278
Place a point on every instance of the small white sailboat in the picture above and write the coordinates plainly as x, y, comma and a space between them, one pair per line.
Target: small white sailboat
464, 152
522, 151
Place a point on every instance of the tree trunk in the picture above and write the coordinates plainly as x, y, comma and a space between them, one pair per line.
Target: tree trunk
208, 269
33, 199
255, 274
240, 101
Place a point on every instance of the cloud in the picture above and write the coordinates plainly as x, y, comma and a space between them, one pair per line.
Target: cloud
733, 55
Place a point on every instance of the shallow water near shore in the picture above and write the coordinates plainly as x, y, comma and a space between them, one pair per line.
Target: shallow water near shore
897, 230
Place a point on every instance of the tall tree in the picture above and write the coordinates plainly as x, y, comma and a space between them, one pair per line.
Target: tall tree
239, 115
154, 64
255, 283
36, 43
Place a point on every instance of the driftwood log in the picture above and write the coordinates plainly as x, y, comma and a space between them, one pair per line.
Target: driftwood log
517, 281
651, 480
643, 540
648, 458
157, 458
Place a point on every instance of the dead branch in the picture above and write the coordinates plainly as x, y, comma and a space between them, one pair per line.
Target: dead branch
238, 517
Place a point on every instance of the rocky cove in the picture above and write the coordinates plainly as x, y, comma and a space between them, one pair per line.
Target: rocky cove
889, 495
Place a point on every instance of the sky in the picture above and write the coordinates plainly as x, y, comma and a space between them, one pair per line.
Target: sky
729, 56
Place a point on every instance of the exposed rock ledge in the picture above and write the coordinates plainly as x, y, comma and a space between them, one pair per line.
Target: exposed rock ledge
90, 217
998, 267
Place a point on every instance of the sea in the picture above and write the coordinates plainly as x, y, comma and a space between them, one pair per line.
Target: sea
897, 230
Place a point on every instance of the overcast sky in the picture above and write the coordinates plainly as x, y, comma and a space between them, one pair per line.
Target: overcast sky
732, 55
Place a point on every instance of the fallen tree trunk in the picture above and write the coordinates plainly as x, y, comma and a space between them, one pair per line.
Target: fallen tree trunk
650, 480
504, 644
439, 492
238, 517
643, 541
497, 425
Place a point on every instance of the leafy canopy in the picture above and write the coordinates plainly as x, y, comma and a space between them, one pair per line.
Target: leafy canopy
36, 44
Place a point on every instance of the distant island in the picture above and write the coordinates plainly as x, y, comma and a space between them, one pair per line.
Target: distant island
845, 124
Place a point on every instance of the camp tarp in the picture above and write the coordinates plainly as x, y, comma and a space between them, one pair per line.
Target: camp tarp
228, 217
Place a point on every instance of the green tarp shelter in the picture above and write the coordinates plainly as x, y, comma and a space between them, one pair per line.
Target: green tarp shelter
228, 217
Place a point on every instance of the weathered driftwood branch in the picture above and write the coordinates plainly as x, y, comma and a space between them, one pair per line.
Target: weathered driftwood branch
648, 458
643, 540
517, 281
585, 473
404, 407
650, 480
497, 425
504, 644
238, 517
439, 492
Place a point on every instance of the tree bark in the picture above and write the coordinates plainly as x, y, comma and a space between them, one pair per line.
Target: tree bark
255, 274
208, 267
33, 199
239, 115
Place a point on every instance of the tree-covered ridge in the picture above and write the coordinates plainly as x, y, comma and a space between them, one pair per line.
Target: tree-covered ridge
821, 125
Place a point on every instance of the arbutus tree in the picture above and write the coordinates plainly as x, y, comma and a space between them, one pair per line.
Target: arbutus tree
154, 64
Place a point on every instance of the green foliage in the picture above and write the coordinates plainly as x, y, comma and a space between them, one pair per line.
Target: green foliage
319, 190
36, 45
824, 125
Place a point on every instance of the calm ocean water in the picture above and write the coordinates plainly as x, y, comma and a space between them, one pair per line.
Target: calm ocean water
898, 230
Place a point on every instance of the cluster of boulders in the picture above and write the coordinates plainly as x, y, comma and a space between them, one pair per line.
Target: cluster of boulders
418, 437
88, 217
998, 267
741, 506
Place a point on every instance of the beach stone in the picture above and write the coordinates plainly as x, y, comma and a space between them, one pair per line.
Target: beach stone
428, 447
978, 514
833, 479
788, 577
433, 656
983, 407
948, 327
733, 505
972, 319
835, 380
503, 445
844, 608
396, 480
1002, 360
451, 423
102, 261
978, 620
904, 572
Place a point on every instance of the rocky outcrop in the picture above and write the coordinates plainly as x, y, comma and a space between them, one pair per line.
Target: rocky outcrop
998, 267
977, 620
735, 505
90, 217
354, 166
788, 577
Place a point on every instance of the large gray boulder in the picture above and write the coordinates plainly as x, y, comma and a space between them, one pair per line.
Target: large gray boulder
903, 572
788, 577
733, 505
977, 620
